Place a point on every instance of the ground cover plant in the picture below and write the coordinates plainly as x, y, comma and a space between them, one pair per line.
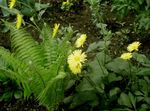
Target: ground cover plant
74, 55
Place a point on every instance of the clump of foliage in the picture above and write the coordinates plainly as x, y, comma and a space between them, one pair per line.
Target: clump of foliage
37, 67
139, 8
45, 69
119, 83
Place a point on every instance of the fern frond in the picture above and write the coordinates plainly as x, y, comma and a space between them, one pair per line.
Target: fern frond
46, 33
12, 69
50, 46
53, 93
38, 67
25, 47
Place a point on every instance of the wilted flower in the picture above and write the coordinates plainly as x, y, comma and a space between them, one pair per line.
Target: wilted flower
134, 46
11, 3
75, 61
80, 41
55, 30
19, 21
126, 56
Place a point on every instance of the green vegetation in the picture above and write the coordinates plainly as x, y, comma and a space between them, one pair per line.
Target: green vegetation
65, 68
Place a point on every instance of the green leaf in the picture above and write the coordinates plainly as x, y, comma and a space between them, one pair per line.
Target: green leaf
99, 45
18, 94
27, 11
143, 71
124, 100
84, 97
39, 6
132, 99
144, 107
4, 3
97, 65
112, 77
118, 66
141, 58
148, 3
114, 91
6, 96
84, 86
140, 1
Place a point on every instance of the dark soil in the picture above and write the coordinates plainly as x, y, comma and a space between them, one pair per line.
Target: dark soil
21, 105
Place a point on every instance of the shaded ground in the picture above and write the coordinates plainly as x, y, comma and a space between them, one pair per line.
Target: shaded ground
21, 105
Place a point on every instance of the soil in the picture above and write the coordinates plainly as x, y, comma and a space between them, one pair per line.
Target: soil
21, 105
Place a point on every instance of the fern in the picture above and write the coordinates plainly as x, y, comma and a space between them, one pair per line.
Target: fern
12, 69
25, 47
37, 67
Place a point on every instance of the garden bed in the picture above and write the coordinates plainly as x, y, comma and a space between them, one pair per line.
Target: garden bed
115, 84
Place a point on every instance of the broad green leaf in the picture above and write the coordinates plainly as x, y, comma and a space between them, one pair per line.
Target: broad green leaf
141, 58
118, 66
92, 47
84, 97
27, 11
147, 99
140, 1
144, 107
144, 72
4, 3
84, 86
98, 65
112, 77
39, 6
114, 91
132, 99
99, 45
148, 2
124, 100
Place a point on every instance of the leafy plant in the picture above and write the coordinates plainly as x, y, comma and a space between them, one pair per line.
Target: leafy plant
37, 67
138, 8
112, 83
9, 89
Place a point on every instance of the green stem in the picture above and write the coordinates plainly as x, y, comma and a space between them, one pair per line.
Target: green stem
129, 68
130, 74
100, 65
36, 25
39, 76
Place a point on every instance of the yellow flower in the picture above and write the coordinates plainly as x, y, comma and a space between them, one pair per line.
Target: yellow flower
55, 30
126, 56
66, 3
75, 61
11, 3
80, 41
134, 46
19, 21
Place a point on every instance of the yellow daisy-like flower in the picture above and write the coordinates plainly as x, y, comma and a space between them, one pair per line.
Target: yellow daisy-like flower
75, 61
126, 56
134, 46
11, 3
19, 21
80, 41
55, 30
66, 3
